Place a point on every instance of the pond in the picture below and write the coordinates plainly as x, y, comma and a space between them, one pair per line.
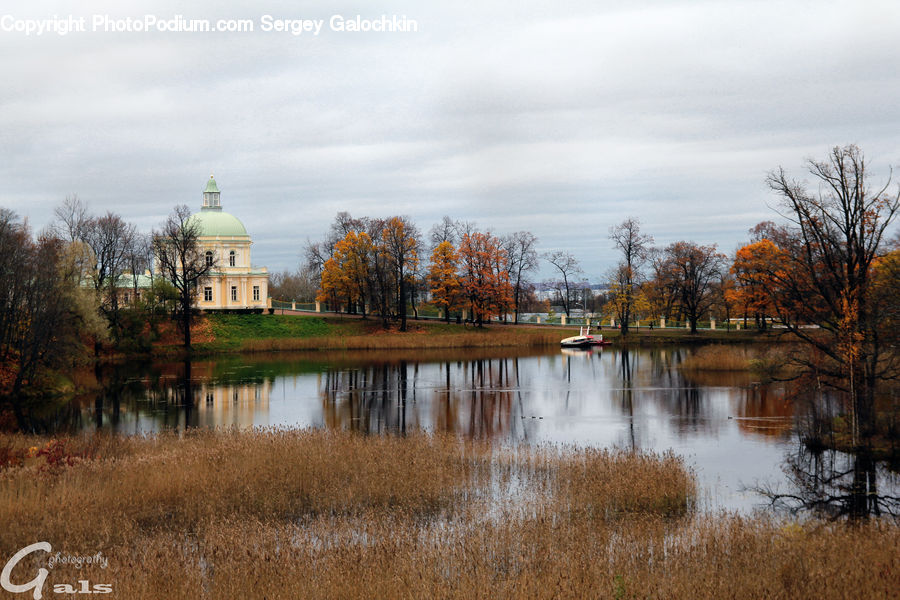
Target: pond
737, 434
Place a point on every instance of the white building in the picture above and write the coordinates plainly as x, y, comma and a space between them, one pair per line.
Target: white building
234, 283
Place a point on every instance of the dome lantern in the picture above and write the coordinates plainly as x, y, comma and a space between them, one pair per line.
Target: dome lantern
211, 196
212, 221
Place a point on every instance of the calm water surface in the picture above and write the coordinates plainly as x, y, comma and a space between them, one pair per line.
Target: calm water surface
734, 432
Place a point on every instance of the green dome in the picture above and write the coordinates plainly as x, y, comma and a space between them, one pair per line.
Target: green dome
215, 223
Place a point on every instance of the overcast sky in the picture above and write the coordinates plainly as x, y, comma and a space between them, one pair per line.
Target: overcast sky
560, 118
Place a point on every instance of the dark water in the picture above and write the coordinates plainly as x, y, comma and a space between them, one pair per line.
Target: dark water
734, 432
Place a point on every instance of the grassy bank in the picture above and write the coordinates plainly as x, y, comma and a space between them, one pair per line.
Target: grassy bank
325, 515
261, 333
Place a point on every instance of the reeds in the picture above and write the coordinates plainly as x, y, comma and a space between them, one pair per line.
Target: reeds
495, 338
718, 357
312, 514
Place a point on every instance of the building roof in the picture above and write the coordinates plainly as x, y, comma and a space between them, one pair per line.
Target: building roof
211, 185
212, 220
126, 281
217, 223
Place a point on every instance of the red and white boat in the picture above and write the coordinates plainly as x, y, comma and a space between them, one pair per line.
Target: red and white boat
584, 339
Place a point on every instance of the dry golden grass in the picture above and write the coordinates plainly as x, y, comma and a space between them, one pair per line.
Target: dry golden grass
495, 338
308, 514
718, 358
763, 362
170, 482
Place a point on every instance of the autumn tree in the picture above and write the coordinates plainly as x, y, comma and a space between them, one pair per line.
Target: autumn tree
346, 274
885, 303
661, 288
180, 258
625, 300
45, 314
105, 248
400, 246
725, 303
693, 269
334, 287
354, 253
484, 278
825, 277
634, 246
443, 281
522, 259
754, 268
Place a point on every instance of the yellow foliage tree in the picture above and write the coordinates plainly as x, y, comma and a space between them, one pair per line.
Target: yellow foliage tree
444, 283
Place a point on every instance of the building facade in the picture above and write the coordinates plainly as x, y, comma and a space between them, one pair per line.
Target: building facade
234, 283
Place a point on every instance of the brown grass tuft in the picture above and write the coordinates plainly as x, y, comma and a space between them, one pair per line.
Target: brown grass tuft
718, 358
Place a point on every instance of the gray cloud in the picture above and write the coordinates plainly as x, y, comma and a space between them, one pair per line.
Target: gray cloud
560, 120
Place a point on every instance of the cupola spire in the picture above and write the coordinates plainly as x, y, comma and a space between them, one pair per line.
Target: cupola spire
211, 195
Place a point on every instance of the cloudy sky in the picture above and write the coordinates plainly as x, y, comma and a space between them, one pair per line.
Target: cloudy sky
560, 118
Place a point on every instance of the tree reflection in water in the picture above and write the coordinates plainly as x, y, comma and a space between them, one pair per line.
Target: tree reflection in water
473, 398
734, 429
834, 484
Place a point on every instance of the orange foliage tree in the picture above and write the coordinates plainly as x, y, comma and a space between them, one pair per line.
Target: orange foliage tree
484, 277
345, 275
755, 270
444, 283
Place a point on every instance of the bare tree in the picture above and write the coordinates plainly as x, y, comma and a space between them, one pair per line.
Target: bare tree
299, 285
522, 258
694, 269
445, 231
634, 245
569, 269
138, 259
182, 261
110, 239
72, 219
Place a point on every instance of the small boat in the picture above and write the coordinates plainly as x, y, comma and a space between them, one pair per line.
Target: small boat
584, 339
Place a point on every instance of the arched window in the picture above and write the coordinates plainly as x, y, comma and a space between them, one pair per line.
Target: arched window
232, 258
209, 258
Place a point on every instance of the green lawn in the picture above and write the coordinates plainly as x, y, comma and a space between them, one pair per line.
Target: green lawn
252, 332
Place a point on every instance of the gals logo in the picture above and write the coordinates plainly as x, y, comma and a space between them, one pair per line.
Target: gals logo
83, 586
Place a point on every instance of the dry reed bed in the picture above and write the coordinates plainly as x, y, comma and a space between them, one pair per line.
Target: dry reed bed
641, 557
718, 358
400, 341
316, 514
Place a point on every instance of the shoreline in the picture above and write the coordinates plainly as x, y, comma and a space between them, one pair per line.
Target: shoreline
239, 334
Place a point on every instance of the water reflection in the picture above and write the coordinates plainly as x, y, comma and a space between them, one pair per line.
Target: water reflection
735, 433
834, 484
473, 398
